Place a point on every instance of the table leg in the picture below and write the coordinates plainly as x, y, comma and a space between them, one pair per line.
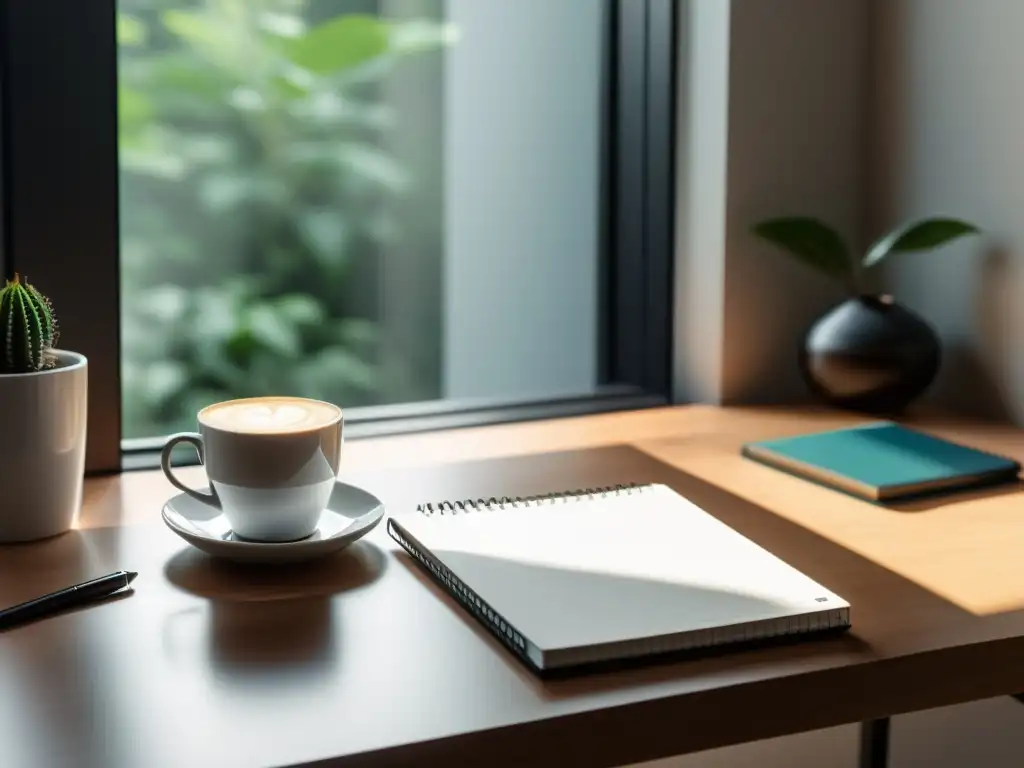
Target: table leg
874, 743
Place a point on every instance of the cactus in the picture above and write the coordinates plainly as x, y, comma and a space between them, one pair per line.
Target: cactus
28, 329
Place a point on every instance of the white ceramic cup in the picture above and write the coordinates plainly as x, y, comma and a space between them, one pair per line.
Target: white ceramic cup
272, 486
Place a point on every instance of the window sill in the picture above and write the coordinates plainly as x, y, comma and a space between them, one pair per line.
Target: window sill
384, 421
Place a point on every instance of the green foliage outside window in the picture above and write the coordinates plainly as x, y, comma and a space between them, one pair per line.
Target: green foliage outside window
255, 181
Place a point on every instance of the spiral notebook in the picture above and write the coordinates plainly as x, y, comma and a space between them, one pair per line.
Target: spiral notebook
611, 574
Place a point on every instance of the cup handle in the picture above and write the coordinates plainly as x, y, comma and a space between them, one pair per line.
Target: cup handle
196, 441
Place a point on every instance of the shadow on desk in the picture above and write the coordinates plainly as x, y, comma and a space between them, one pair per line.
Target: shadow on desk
932, 501
267, 625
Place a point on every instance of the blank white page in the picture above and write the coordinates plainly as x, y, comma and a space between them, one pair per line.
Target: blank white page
580, 571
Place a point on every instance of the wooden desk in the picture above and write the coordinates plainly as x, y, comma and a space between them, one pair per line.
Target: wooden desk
360, 661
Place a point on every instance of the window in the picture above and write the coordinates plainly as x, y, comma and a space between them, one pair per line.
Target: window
427, 211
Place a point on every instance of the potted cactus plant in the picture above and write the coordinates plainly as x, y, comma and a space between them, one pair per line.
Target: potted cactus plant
42, 401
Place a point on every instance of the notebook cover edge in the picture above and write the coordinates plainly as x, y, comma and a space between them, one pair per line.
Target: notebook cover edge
808, 472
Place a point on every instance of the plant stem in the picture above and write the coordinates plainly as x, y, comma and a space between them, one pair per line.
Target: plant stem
855, 278
854, 284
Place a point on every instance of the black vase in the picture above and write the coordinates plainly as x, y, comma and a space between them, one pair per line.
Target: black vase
870, 354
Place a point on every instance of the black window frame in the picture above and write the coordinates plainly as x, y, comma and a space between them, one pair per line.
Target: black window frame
59, 213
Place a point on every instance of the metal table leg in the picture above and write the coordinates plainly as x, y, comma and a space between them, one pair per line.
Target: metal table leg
874, 743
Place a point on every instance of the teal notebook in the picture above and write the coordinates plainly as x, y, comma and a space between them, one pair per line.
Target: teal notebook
883, 461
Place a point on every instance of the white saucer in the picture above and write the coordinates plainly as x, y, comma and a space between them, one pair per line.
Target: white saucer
351, 513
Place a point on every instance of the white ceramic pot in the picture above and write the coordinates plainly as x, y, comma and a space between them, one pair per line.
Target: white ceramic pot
42, 448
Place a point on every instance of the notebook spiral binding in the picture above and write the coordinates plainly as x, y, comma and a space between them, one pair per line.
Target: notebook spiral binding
517, 502
490, 618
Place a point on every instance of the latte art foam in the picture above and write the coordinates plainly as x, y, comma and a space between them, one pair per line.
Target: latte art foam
269, 415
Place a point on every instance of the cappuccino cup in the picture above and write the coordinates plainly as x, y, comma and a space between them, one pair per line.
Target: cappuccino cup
272, 463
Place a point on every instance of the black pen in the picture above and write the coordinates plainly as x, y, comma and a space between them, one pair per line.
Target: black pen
72, 597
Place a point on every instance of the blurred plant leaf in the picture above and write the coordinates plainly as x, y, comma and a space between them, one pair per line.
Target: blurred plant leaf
193, 27
247, 99
163, 380
418, 35
273, 330
134, 114
810, 241
224, 366
357, 332
327, 235
281, 24
374, 165
146, 161
328, 109
214, 315
300, 309
175, 76
221, 192
383, 226
165, 303
239, 349
130, 30
338, 44
919, 236
215, 39
337, 366
288, 87
212, 149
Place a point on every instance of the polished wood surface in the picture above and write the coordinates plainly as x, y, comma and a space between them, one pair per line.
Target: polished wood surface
359, 660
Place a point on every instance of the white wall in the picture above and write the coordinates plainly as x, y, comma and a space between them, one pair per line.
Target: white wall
949, 131
771, 122
522, 122
702, 126
797, 145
